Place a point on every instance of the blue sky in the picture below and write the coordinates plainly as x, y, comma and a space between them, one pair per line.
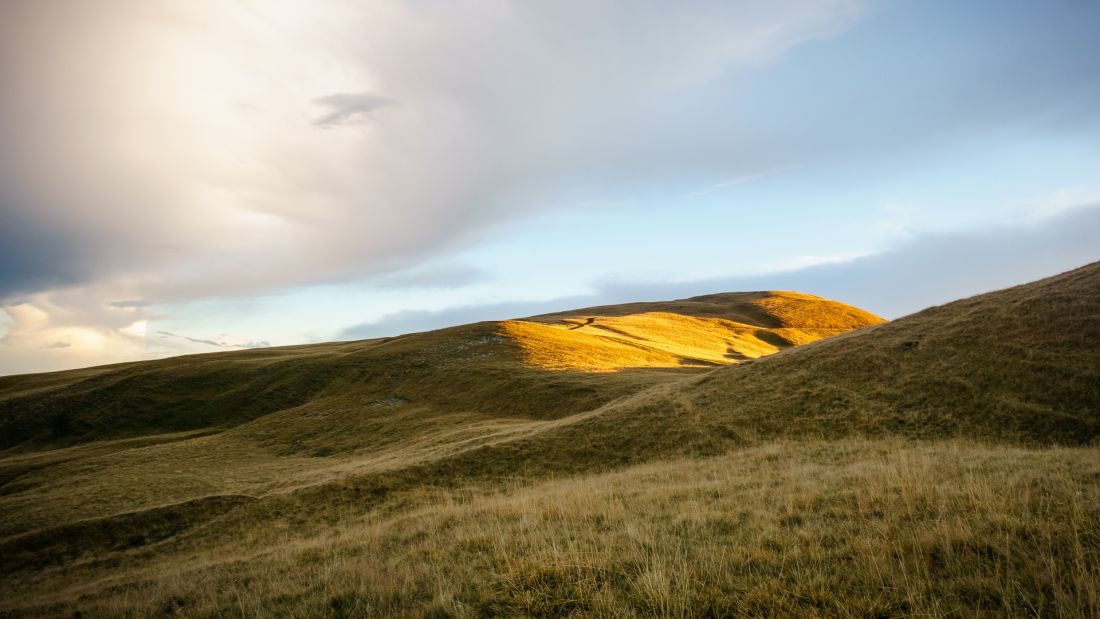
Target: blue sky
239, 174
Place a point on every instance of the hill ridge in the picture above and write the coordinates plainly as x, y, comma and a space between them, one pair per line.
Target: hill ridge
469, 367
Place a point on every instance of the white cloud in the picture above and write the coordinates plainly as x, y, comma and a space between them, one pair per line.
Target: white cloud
1061, 201
185, 134
158, 151
344, 108
43, 336
726, 184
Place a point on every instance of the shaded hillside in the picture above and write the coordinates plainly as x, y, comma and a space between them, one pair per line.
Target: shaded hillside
1021, 364
485, 368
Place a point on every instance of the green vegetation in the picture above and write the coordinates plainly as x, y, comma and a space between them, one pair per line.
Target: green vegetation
594, 462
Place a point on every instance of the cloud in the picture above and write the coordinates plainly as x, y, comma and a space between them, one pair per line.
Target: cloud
216, 343
32, 256
33, 330
171, 151
195, 340
926, 271
129, 303
59, 331
440, 277
173, 146
348, 108
400, 323
726, 184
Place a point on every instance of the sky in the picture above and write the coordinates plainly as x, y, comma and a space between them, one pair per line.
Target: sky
181, 177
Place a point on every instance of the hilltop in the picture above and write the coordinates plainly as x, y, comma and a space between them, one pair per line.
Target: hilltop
488, 368
739, 453
1019, 365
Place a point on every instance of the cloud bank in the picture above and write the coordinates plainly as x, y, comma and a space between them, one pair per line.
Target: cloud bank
209, 148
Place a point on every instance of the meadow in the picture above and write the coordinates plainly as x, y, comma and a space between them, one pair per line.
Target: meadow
755, 454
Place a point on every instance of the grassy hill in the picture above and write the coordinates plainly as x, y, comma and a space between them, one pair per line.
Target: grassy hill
140, 435
682, 458
486, 368
1019, 365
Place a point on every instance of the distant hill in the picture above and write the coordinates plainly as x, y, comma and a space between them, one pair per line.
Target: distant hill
1021, 365
490, 368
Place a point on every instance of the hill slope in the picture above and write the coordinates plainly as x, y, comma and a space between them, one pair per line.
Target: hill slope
488, 368
423, 475
260, 423
1021, 365
710, 330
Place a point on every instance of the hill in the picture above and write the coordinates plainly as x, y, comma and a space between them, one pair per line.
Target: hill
262, 422
1019, 365
680, 458
486, 368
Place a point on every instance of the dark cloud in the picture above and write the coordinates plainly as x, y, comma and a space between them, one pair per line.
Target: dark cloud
927, 271
348, 108
33, 257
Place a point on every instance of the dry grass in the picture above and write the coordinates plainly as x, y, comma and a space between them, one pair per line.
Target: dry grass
705, 331
1019, 365
652, 339
856, 528
450, 474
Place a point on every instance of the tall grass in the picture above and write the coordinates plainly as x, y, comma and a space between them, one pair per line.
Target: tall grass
855, 528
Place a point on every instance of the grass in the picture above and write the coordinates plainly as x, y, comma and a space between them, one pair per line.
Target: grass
610, 461
651, 339
855, 528
705, 331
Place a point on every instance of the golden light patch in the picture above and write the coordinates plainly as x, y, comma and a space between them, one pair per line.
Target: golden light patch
646, 340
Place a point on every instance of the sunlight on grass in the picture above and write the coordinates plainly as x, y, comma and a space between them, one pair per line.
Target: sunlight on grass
758, 325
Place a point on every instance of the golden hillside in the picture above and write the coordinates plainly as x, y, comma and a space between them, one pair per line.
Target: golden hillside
702, 331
